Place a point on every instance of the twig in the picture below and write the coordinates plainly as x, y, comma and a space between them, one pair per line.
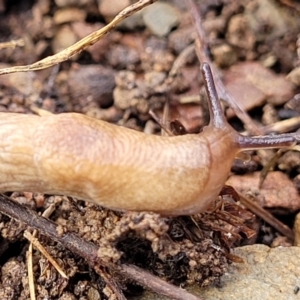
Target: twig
12, 44
266, 216
30, 273
181, 60
38, 246
165, 118
268, 166
283, 126
88, 250
161, 124
30, 237
110, 283
80, 45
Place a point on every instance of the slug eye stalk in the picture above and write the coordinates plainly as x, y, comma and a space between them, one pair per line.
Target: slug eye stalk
218, 120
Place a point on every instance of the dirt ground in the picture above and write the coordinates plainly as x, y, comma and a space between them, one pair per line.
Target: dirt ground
148, 60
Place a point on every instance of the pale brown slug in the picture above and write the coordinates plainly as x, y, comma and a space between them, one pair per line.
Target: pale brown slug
119, 168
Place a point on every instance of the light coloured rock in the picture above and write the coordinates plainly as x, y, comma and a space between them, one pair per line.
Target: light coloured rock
25, 83
69, 14
110, 8
267, 273
294, 76
160, 18
224, 55
64, 38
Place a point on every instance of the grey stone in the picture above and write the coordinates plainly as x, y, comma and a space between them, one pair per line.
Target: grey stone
160, 18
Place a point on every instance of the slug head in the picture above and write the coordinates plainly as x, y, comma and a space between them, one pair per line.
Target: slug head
219, 122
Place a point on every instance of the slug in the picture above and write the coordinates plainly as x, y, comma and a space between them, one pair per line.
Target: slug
119, 168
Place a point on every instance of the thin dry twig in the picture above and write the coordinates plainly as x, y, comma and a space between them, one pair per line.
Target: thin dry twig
181, 60
161, 124
266, 216
283, 126
47, 213
268, 166
111, 283
88, 251
82, 44
166, 117
38, 246
12, 44
30, 273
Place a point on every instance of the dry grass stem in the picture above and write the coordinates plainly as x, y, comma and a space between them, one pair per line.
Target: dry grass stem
38, 246
80, 45
12, 44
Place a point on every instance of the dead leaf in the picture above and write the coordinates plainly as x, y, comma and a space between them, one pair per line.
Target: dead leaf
252, 85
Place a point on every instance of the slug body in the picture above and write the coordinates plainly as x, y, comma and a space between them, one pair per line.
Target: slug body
119, 168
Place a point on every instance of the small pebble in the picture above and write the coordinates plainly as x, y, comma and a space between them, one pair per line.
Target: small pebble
63, 3
294, 76
224, 55
110, 8
122, 57
160, 18
92, 82
69, 14
64, 38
